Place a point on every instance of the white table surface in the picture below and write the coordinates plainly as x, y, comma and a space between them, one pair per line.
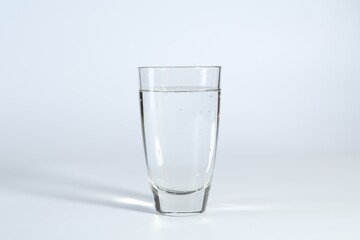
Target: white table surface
284, 198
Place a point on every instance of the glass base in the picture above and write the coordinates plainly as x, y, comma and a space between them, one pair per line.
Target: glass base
180, 203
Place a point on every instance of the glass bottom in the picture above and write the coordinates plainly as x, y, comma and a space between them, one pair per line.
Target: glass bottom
180, 203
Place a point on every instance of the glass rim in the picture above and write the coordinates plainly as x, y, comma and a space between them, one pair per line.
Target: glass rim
157, 67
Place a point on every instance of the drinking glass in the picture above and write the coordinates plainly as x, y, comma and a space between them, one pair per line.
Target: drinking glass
180, 119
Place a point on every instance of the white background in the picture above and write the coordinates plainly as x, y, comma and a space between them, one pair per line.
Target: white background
71, 157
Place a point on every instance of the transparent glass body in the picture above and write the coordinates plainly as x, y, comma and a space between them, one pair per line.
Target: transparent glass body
180, 119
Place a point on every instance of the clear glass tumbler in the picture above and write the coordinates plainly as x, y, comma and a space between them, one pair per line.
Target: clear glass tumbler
180, 119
